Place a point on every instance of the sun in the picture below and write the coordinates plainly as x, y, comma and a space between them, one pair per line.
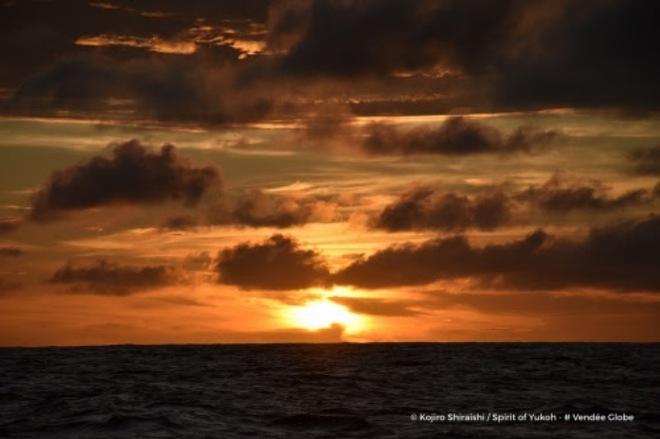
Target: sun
321, 314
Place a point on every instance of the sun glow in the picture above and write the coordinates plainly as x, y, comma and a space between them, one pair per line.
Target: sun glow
321, 314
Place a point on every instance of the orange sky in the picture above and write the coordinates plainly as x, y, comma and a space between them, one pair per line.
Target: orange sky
235, 172
198, 307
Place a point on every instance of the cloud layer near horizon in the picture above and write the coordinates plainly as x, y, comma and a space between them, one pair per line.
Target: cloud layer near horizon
107, 278
620, 257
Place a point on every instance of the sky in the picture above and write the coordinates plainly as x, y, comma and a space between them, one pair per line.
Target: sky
328, 171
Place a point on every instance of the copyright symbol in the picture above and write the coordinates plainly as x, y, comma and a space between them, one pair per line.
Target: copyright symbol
413, 417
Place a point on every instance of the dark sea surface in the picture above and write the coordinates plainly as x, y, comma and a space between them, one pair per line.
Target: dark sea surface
334, 390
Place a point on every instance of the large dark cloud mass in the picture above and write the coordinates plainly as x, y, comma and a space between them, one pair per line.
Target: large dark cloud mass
157, 60
427, 209
275, 264
242, 61
348, 38
456, 136
622, 257
133, 174
189, 91
516, 53
106, 278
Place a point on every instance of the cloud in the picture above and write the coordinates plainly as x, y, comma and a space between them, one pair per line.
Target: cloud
134, 174
456, 136
377, 307
171, 64
497, 54
10, 251
256, 208
180, 222
395, 57
275, 264
560, 194
351, 38
428, 209
621, 257
107, 278
646, 161
259, 208
8, 225
205, 90
198, 261
565, 65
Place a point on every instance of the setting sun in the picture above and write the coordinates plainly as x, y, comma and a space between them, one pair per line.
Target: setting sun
322, 314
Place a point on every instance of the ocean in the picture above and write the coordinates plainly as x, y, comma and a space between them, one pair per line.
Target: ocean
389, 390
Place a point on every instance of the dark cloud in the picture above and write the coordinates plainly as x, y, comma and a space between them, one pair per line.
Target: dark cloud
169, 90
10, 251
177, 301
275, 264
255, 208
259, 208
393, 57
287, 22
106, 278
328, 124
377, 307
180, 222
8, 225
456, 136
646, 161
622, 257
348, 38
198, 261
117, 79
594, 54
250, 208
35, 34
561, 195
517, 54
430, 209
133, 174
